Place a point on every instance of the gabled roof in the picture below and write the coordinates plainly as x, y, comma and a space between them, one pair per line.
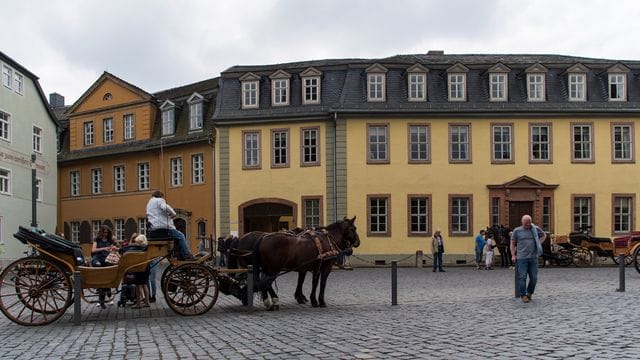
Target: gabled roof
618, 68
457, 68
417, 68
499, 68
167, 104
249, 77
536, 68
578, 68
104, 77
523, 182
195, 97
24, 71
280, 74
376, 68
311, 71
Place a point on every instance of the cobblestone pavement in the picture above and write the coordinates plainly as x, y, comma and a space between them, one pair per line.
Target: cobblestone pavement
462, 313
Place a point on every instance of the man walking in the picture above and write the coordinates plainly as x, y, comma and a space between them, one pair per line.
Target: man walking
479, 247
526, 246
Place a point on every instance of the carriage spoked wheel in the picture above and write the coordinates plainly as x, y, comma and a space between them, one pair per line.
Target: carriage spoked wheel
91, 295
163, 278
628, 260
581, 257
564, 258
636, 259
34, 291
190, 289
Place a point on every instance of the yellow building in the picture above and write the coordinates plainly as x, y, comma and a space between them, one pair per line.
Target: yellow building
413, 143
122, 143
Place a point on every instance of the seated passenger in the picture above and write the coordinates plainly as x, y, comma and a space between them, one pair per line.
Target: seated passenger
142, 277
102, 246
159, 215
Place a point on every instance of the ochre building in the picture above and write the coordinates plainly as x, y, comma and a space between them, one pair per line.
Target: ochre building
414, 143
121, 143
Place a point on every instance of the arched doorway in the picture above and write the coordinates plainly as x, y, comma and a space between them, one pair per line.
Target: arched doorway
267, 214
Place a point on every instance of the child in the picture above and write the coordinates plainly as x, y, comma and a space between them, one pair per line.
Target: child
489, 253
141, 278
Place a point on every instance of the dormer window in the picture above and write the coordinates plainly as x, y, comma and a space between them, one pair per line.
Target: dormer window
417, 83
457, 76
168, 118
376, 82
498, 82
310, 86
577, 87
617, 87
535, 86
280, 88
250, 90
195, 111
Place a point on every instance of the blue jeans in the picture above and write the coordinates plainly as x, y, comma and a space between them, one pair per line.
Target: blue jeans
181, 243
437, 261
478, 256
527, 267
153, 271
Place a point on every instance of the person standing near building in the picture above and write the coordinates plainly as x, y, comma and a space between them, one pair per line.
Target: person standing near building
160, 215
490, 244
437, 249
479, 248
526, 246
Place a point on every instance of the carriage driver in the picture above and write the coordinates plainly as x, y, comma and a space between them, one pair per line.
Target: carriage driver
159, 215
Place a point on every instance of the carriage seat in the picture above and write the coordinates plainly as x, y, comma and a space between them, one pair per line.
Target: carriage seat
598, 240
159, 235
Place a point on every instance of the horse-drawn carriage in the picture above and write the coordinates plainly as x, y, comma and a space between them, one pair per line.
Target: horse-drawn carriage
37, 289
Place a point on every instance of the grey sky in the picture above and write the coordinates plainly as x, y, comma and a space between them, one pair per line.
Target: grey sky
162, 44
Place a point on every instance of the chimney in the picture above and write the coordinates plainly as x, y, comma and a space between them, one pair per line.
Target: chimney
56, 100
435, 52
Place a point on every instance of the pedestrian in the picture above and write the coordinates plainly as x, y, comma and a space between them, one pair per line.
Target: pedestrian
479, 248
490, 244
222, 249
159, 215
437, 249
153, 271
526, 247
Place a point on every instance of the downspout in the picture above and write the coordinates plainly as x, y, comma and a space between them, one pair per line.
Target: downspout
214, 220
335, 167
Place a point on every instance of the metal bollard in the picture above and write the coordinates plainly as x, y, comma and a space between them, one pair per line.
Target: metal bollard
394, 282
250, 286
77, 301
621, 264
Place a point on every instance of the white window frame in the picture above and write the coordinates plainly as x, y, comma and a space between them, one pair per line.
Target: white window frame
381, 143
176, 167
5, 181
74, 182
419, 131
539, 142
250, 94
144, 176
619, 213
536, 83
457, 86
119, 183
95, 228
280, 92
620, 80
250, 154
376, 87
584, 144
455, 130
577, 87
142, 226
89, 132
195, 116
629, 150
36, 139
381, 213
582, 201
75, 231
498, 88
459, 217
5, 126
168, 122
500, 143
18, 83
129, 125
307, 84
96, 181
312, 207
7, 77
107, 130
310, 146
197, 169
417, 86
421, 216
280, 152
118, 229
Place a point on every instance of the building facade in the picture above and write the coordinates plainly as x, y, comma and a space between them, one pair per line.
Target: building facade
27, 126
413, 143
122, 143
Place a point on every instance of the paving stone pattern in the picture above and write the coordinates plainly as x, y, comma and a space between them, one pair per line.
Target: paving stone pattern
463, 313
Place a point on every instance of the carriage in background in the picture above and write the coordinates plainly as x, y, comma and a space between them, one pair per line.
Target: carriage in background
605, 247
37, 289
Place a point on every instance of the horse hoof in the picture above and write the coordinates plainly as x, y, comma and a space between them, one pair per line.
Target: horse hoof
314, 304
323, 305
276, 307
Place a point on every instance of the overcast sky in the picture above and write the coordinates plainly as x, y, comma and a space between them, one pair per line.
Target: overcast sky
162, 44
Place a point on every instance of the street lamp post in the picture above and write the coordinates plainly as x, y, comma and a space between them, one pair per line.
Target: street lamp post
34, 192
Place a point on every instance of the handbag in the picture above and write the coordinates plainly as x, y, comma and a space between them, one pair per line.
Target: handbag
113, 258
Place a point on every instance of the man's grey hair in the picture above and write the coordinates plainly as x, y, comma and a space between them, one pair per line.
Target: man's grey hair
526, 217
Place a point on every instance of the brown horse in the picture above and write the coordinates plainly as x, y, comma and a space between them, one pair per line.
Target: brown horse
273, 253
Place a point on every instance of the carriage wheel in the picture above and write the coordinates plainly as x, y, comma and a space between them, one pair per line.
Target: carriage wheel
190, 289
34, 291
636, 259
628, 260
564, 258
91, 296
581, 257
163, 278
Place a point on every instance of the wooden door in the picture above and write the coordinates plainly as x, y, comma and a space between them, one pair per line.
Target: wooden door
516, 210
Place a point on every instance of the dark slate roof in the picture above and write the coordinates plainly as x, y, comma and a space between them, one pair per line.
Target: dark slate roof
6, 59
343, 87
182, 136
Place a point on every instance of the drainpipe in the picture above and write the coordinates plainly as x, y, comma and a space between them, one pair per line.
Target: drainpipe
335, 167
214, 228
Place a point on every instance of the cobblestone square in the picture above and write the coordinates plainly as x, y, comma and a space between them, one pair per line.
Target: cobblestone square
463, 313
